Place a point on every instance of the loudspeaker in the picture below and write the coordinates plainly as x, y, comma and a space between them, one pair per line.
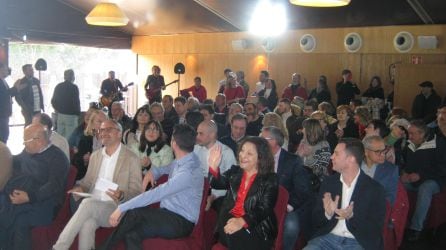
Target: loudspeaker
307, 43
40, 64
179, 68
352, 42
427, 42
403, 42
269, 44
239, 44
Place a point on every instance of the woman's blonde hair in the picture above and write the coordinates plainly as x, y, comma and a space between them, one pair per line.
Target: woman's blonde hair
273, 119
89, 130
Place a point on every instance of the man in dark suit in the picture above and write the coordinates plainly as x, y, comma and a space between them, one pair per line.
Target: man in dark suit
295, 179
351, 207
5, 103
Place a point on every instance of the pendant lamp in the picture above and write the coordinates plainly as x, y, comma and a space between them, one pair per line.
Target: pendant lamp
107, 14
320, 3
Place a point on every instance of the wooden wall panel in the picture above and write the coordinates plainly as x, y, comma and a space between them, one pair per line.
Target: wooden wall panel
207, 55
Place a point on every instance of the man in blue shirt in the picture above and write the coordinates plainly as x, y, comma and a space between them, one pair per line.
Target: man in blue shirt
180, 198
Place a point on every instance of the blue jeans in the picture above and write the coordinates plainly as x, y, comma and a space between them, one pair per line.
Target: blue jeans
291, 230
333, 242
66, 124
424, 197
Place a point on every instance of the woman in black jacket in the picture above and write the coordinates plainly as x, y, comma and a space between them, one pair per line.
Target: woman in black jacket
270, 93
247, 219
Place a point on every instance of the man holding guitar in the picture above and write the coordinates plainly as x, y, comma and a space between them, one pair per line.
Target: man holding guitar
154, 85
111, 89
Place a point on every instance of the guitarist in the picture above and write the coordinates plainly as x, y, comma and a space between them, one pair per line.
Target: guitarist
154, 84
111, 89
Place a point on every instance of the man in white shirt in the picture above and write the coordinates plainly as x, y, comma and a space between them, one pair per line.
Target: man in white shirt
207, 139
263, 78
114, 163
350, 211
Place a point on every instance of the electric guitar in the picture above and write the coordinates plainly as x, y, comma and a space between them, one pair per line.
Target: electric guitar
153, 92
107, 100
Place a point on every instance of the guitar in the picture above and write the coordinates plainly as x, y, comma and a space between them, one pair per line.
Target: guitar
107, 100
152, 92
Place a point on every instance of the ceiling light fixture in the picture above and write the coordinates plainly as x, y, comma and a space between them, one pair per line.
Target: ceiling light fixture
269, 19
320, 3
107, 14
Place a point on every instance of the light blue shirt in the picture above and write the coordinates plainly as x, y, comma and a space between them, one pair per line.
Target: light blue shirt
181, 194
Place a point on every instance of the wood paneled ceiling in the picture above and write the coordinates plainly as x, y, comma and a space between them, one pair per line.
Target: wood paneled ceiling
62, 21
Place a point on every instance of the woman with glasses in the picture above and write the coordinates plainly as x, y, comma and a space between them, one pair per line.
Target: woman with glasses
152, 149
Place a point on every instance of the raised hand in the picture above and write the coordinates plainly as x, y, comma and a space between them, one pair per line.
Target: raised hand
330, 205
214, 157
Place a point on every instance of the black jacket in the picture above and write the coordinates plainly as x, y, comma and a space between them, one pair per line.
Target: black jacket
374, 93
426, 108
272, 98
369, 210
5, 99
25, 96
259, 202
66, 99
346, 92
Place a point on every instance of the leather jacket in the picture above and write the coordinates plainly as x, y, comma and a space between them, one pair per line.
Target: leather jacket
259, 203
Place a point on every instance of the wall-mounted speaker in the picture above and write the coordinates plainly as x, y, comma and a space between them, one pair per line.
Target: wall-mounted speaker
352, 42
307, 43
403, 41
427, 42
269, 44
239, 44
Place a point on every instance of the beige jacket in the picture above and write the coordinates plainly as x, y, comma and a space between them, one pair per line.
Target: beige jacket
127, 173
5, 166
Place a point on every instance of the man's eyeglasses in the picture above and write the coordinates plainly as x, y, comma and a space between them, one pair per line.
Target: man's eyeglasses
378, 151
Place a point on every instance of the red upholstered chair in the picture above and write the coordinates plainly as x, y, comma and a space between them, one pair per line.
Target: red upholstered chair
398, 214
280, 209
44, 237
437, 210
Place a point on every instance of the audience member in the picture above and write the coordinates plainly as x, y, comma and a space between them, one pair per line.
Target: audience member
152, 150
273, 119
29, 95
55, 138
254, 119
378, 128
361, 118
241, 80
346, 89
376, 166
247, 222
181, 109
157, 111
321, 93
66, 104
426, 103
118, 114
262, 105
284, 109
295, 88
35, 190
192, 104
222, 82
169, 110
314, 150
397, 139
220, 104
77, 133
206, 142
375, 90
329, 110
239, 123
309, 107
270, 93
180, 199
5, 102
113, 163
6, 168
351, 207
208, 114
233, 91
263, 77
424, 172
294, 178
141, 118
194, 119
345, 126
88, 143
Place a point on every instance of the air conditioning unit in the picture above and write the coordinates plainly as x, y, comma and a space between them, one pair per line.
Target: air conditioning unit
239, 44
427, 42
352, 42
403, 42
307, 43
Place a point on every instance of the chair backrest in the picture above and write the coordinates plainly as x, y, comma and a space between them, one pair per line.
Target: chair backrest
398, 215
280, 209
198, 232
71, 177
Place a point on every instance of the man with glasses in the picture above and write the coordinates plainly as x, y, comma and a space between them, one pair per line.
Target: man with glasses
375, 166
34, 191
113, 163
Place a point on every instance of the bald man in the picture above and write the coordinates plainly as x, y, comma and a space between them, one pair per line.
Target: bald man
34, 191
206, 140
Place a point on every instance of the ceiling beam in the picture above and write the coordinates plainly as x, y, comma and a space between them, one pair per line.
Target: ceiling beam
217, 13
421, 12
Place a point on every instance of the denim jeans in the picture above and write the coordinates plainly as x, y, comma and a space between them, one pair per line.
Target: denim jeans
66, 124
291, 230
424, 197
333, 242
